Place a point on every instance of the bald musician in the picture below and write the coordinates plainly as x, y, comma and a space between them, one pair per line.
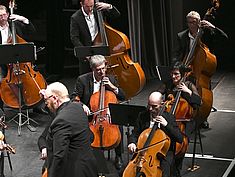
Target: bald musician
167, 122
68, 139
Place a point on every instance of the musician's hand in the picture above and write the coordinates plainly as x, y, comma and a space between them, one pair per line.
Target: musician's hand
161, 120
42, 92
207, 24
44, 154
109, 84
132, 147
15, 17
86, 109
2, 145
102, 6
182, 87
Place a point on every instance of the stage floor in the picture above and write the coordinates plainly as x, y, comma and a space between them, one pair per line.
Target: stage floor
217, 141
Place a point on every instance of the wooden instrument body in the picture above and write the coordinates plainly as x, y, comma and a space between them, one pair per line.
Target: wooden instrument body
204, 66
148, 162
31, 83
106, 135
130, 75
183, 113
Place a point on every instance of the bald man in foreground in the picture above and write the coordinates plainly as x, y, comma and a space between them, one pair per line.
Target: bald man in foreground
68, 139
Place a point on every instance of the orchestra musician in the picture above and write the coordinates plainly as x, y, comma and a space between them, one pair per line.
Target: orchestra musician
24, 28
168, 124
189, 93
185, 39
68, 139
84, 26
89, 83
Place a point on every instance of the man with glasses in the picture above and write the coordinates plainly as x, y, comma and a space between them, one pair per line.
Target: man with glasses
210, 37
68, 138
190, 94
167, 123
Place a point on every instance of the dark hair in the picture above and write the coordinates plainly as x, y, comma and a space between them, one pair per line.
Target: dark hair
181, 67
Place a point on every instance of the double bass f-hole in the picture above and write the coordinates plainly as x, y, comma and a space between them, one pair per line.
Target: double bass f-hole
125, 67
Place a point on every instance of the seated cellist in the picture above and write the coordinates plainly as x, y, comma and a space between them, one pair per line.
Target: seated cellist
189, 93
89, 83
168, 124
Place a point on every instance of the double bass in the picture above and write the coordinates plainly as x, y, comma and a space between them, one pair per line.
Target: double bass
152, 145
22, 84
106, 134
130, 75
203, 64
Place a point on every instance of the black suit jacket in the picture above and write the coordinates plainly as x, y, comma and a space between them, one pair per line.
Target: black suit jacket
172, 130
143, 122
79, 31
23, 30
84, 88
209, 38
68, 140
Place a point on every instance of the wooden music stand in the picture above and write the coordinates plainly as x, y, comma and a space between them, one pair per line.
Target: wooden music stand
18, 53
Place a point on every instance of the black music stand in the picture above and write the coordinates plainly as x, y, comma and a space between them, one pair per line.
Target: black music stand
125, 115
18, 53
84, 51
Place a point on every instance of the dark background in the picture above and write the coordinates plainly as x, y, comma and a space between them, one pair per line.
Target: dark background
52, 18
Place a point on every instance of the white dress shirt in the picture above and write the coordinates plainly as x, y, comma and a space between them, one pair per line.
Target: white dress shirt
92, 25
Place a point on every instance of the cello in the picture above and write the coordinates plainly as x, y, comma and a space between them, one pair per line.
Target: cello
130, 75
22, 84
203, 64
153, 144
183, 112
106, 134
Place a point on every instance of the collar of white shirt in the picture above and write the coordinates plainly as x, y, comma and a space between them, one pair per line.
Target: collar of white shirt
85, 14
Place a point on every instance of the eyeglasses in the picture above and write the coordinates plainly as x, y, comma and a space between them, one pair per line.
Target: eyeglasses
192, 22
175, 73
154, 106
3, 15
46, 99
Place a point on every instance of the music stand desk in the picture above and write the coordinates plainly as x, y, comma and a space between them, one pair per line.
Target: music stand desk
125, 114
17, 53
